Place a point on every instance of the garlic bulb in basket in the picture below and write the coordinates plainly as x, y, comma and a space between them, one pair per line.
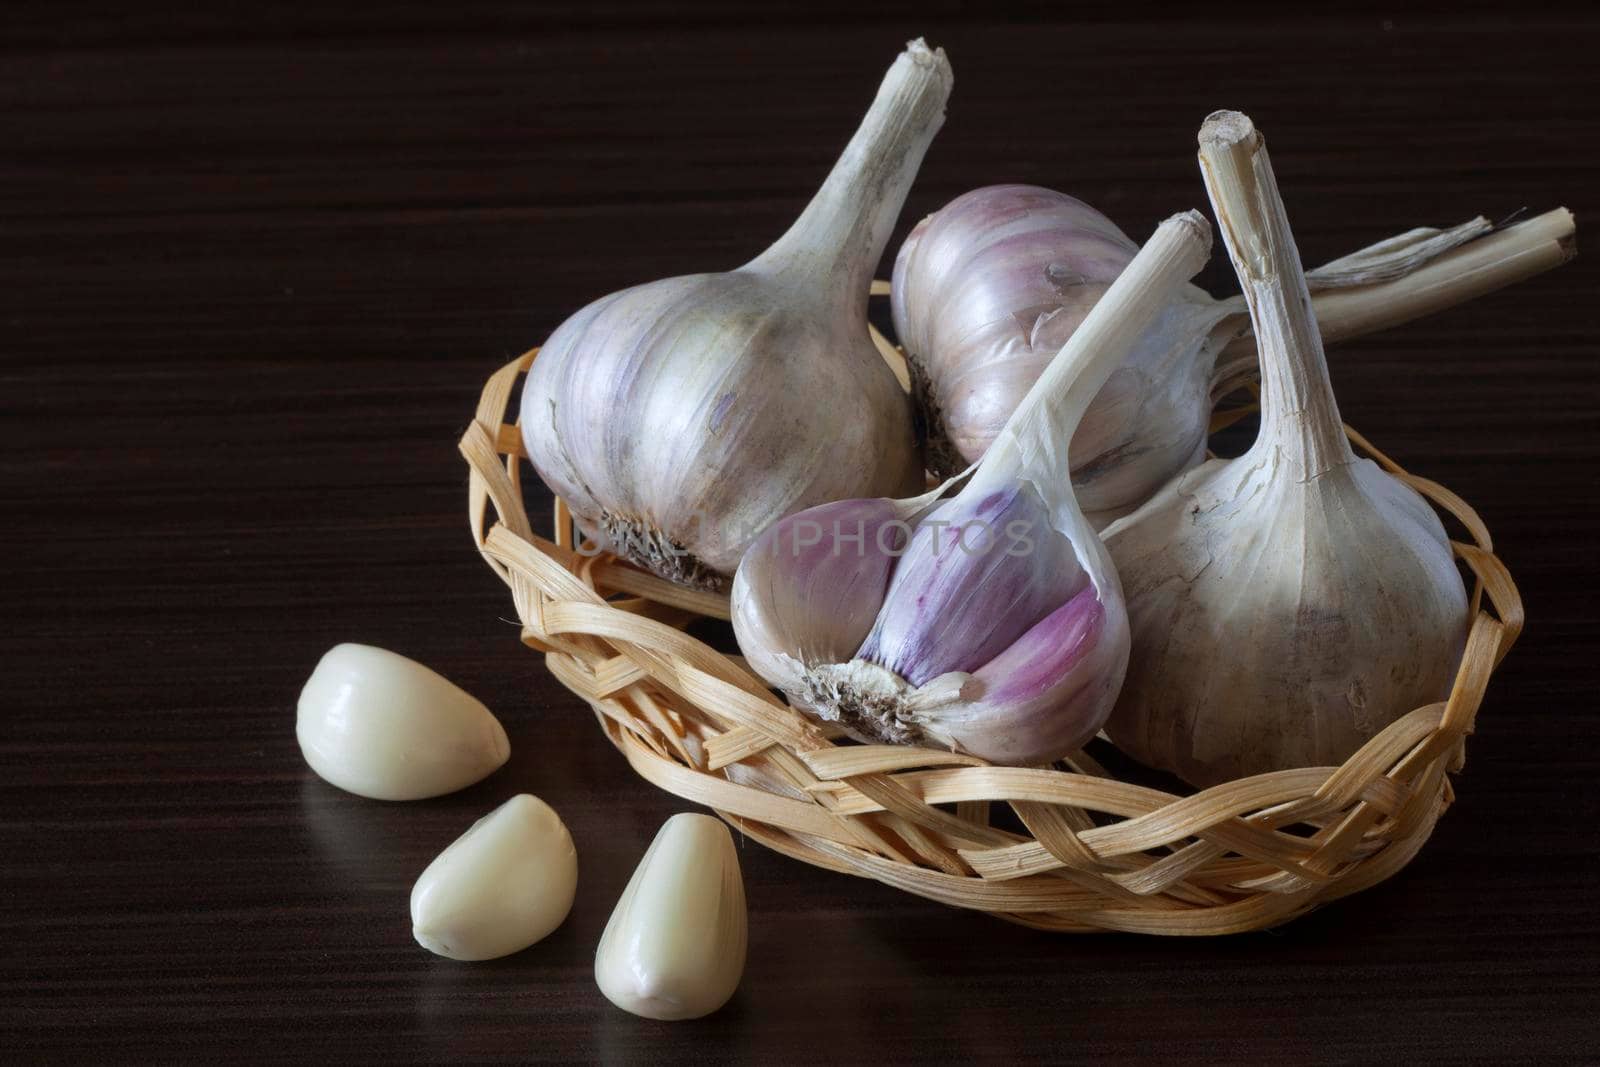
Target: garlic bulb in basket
682, 417
990, 622
1288, 604
989, 287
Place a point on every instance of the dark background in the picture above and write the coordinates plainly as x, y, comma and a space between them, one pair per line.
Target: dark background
254, 267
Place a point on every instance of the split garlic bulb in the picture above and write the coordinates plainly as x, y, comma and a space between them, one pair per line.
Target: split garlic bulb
991, 622
1288, 604
498, 888
681, 418
380, 725
987, 289
675, 945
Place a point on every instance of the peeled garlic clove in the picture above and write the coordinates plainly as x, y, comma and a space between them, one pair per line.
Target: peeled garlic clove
1001, 632
382, 726
675, 945
498, 888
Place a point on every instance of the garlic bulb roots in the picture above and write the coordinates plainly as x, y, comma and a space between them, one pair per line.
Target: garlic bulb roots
1288, 604
681, 418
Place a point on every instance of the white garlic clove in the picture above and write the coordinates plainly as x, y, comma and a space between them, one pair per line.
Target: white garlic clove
978, 573
498, 888
675, 945
379, 725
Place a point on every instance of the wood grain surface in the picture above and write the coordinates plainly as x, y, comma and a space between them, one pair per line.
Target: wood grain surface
255, 268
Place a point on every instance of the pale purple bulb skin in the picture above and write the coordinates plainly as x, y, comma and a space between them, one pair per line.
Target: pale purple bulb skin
987, 290
978, 573
1042, 658
811, 584
1048, 693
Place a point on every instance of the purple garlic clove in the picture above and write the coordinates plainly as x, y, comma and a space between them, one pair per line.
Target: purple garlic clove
811, 584
976, 576
1048, 691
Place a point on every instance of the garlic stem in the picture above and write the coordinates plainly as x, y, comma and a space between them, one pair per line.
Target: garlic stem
1471, 270
1394, 257
1465, 273
1299, 415
836, 243
1034, 439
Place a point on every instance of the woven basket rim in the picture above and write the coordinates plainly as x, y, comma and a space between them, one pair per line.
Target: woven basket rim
1099, 853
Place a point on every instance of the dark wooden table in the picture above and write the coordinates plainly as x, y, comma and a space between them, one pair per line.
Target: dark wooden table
254, 271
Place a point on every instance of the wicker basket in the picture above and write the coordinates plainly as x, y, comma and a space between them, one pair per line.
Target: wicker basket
1098, 854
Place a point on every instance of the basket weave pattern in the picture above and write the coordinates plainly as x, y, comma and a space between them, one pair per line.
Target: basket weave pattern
1099, 854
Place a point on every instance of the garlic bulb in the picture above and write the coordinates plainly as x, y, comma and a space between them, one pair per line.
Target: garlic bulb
379, 725
675, 945
504, 884
988, 288
990, 622
681, 418
1288, 604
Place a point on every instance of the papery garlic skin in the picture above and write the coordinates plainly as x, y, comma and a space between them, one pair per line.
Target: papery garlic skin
1011, 655
503, 885
681, 418
987, 290
380, 725
675, 945
1288, 604
1278, 622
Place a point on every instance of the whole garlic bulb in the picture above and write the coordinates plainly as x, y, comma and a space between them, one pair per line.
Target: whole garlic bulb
991, 622
987, 289
1288, 604
984, 294
680, 418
